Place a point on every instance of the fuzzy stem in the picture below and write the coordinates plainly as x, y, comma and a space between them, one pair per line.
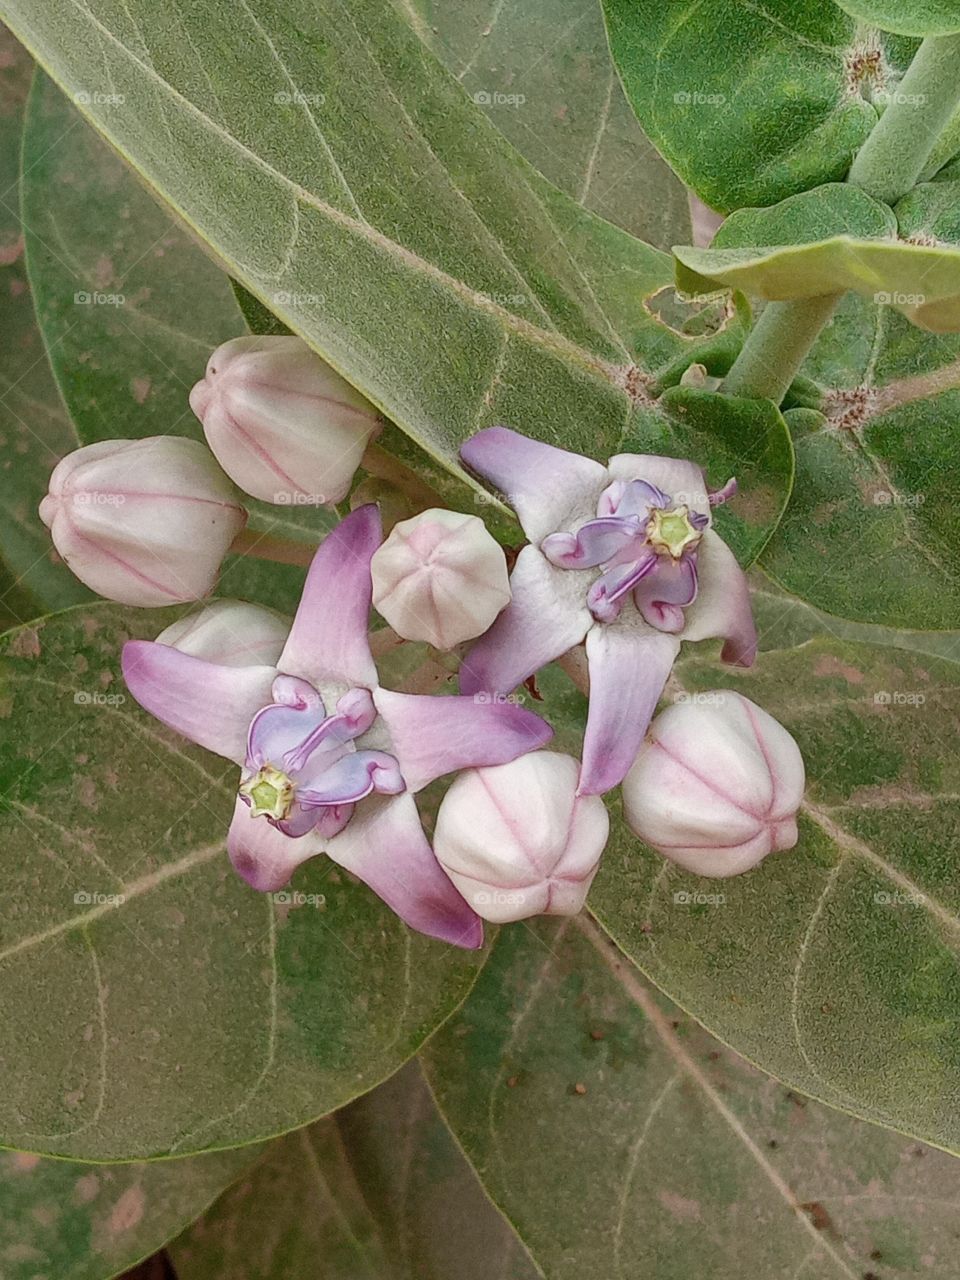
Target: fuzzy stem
377, 462
266, 546
892, 159
777, 346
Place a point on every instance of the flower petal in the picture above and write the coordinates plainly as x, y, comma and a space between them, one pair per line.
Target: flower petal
682, 481
328, 640
264, 856
722, 606
436, 735
210, 704
629, 665
662, 596
384, 845
349, 779
596, 542
547, 487
546, 617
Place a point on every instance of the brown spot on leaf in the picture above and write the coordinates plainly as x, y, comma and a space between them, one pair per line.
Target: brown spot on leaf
828, 665
820, 1218
25, 643
128, 1211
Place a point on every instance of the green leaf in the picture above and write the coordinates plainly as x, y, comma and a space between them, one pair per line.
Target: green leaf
234, 1015
907, 17
752, 103
34, 430
836, 238
350, 183
88, 1222
833, 966
378, 1192
155, 309
623, 1141
872, 532
543, 74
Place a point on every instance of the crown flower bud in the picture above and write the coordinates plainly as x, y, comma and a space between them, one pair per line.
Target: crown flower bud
143, 522
440, 577
231, 632
517, 840
716, 786
283, 424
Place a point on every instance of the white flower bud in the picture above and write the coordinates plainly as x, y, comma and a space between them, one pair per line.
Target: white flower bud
518, 841
283, 424
144, 522
716, 786
440, 577
231, 632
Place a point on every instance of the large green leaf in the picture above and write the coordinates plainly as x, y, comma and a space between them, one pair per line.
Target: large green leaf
85, 1222
352, 185
195, 1014
872, 531
543, 75
623, 1142
748, 102
34, 430
908, 17
835, 238
151, 309
378, 1192
833, 966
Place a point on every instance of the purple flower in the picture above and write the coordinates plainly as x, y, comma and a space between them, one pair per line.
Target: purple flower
622, 556
330, 761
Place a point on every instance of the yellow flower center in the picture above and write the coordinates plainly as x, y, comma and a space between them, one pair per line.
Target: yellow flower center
270, 793
671, 533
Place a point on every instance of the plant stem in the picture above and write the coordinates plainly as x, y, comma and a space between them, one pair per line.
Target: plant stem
892, 159
777, 346
377, 462
266, 546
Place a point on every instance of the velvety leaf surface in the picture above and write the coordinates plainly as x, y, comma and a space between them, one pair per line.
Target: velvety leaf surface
624, 1142
909, 17
750, 103
379, 1192
872, 531
833, 966
543, 75
352, 185
195, 1013
89, 1222
836, 238
34, 430
130, 309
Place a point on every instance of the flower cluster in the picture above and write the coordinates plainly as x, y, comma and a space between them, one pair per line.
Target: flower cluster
621, 559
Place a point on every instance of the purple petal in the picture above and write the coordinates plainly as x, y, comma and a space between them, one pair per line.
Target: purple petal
662, 596
605, 597
546, 616
629, 665
384, 845
349, 779
264, 856
719, 496
632, 498
328, 639
436, 735
684, 481
722, 607
595, 542
209, 704
278, 731
544, 485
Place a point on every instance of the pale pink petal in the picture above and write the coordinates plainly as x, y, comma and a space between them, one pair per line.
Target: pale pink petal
328, 640
722, 607
682, 481
385, 846
209, 704
432, 736
264, 856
